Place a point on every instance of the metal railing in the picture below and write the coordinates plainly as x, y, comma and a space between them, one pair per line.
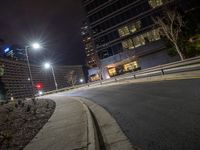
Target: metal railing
192, 64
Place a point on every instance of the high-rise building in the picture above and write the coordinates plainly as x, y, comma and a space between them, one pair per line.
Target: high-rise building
92, 60
124, 34
88, 44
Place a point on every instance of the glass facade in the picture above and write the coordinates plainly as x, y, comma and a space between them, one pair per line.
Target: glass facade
122, 24
119, 18
94, 4
89, 47
128, 29
142, 39
110, 51
111, 8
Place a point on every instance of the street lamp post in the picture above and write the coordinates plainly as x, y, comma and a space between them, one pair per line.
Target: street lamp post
35, 46
47, 66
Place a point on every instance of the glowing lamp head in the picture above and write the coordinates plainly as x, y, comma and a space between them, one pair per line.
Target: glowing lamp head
36, 45
81, 80
47, 65
40, 93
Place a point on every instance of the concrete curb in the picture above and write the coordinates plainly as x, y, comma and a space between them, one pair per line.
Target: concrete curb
112, 135
78, 123
93, 143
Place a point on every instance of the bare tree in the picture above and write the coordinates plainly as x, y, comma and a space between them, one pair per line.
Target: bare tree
170, 25
71, 77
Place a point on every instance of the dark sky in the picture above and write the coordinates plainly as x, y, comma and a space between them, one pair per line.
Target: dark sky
55, 23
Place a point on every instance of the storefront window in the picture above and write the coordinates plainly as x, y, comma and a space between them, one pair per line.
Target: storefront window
130, 66
94, 77
112, 71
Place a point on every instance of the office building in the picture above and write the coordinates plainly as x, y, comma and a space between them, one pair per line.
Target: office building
125, 36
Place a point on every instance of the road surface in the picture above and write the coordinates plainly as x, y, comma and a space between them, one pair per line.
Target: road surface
162, 115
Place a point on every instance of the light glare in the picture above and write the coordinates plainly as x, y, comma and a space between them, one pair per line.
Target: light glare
81, 80
36, 45
47, 65
40, 92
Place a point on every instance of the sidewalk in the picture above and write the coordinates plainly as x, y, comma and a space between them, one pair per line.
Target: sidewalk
79, 124
67, 129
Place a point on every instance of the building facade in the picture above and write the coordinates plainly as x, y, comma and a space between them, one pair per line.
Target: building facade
88, 45
17, 81
92, 60
125, 36
14, 52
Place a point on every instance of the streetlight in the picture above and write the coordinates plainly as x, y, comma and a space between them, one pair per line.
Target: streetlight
34, 46
47, 65
81, 80
40, 93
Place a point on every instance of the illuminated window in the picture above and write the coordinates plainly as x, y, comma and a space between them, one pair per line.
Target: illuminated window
130, 66
152, 35
125, 44
128, 44
94, 77
133, 27
155, 3
112, 71
156, 34
148, 37
142, 39
139, 40
123, 31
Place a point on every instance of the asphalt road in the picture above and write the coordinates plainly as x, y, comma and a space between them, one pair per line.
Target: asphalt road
155, 116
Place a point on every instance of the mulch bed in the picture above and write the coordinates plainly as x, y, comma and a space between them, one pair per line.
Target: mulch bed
20, 121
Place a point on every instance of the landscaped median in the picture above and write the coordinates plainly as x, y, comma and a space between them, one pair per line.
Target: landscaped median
79, 124
21, 120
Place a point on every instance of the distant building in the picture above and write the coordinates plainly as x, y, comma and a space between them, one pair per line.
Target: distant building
125, 36
15, 52
91, 55
89, 47
17, 80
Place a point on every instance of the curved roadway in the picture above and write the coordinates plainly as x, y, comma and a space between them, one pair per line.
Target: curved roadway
161, 115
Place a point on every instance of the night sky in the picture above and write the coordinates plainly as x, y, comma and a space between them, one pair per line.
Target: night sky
55, 23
